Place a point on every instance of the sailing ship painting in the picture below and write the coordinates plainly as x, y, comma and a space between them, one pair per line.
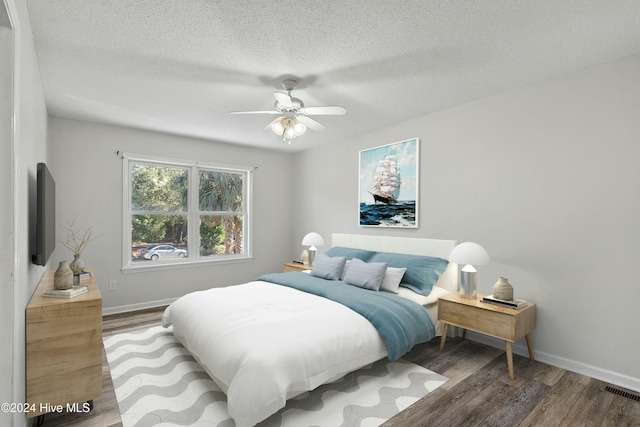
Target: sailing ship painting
389, 185
385, 185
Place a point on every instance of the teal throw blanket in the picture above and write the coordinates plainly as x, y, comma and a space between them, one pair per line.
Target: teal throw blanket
400, 322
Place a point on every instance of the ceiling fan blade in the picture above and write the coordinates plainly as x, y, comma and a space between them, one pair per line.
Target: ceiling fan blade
254, 112
332, 110
283, 99
310, 123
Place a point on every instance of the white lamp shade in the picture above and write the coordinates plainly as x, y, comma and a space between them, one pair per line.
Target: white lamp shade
469, 253
312, 239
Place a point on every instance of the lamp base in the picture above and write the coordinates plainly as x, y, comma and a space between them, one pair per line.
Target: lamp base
468, 284
312, 256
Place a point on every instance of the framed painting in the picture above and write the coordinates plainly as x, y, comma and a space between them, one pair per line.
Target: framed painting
388, 185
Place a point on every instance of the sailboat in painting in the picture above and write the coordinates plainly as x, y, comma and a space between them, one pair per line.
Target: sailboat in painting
385, 185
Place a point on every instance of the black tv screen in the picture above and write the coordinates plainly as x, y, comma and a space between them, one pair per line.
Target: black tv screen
45, 216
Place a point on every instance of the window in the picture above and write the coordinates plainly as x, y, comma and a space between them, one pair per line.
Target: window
180, 212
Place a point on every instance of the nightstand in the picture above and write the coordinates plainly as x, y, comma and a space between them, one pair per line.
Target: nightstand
294, 266
499, 322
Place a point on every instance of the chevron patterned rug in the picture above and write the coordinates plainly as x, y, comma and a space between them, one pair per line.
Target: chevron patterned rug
157, 382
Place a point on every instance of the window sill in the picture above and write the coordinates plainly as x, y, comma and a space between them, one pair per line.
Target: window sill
155, 266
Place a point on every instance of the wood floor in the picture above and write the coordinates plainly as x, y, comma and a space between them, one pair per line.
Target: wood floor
478, 393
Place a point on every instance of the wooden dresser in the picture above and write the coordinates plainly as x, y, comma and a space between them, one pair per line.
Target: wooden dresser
64, 348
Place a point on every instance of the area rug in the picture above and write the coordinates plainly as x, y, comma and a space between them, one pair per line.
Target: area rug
157, 382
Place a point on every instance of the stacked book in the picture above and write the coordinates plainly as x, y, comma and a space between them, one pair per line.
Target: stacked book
515, 303
66, 293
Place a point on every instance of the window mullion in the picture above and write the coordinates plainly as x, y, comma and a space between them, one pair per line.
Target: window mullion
194, 215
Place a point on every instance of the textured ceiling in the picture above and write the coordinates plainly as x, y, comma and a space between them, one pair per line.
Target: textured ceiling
181, 66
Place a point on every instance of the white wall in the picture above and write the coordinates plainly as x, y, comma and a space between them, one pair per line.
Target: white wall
546, 178
6, 215
28, 146
88, 177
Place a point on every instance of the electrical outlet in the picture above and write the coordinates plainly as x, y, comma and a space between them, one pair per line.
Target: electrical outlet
113, 285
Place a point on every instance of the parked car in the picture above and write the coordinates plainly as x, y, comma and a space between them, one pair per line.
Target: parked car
163, 251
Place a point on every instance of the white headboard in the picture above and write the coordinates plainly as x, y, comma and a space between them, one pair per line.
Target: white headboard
405, 245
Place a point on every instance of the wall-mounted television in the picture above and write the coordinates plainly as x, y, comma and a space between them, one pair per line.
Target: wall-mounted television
45, 215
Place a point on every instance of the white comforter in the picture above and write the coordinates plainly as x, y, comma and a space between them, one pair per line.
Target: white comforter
263, 343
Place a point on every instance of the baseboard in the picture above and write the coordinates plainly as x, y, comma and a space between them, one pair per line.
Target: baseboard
605, 375
135, 307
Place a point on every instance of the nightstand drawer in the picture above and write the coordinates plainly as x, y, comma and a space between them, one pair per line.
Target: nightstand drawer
477, 319
504, 323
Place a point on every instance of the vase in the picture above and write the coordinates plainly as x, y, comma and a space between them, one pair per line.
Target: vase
304, 257
63, 277
77, 265
502, 289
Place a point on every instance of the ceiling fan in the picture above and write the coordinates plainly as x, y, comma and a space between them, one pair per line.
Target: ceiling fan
294, 116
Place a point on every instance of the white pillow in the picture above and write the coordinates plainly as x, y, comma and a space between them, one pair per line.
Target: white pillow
365, 275
344, 270
392, 279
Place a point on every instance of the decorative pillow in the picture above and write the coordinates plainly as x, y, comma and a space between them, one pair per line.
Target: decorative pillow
422, 271
350, 253
392, 279
345, 269
365, 275
328, 267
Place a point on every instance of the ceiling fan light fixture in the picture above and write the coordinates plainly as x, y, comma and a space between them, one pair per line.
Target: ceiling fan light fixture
290, 133
288, 128
299, 128
278, 126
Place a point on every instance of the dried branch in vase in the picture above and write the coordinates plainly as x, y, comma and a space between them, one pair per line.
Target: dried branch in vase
77, 241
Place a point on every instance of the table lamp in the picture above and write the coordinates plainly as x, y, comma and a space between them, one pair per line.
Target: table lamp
312, 240
469, 254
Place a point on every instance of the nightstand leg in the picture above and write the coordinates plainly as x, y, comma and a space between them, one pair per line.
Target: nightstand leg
444, 336
464, 333
529, 346
509, 359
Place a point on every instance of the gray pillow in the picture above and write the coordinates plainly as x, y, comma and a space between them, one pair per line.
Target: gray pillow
327, 267
365, 275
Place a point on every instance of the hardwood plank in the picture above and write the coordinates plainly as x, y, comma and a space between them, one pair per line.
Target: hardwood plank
461, 404
467, 358
124, 322
513, 410
622, 412
558, 402
591, 406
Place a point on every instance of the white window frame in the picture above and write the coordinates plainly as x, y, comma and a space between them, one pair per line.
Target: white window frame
193, 214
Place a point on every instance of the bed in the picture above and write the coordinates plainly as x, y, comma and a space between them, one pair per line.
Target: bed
271, 339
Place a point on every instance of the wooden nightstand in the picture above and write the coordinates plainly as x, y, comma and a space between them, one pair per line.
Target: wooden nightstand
504, 323
294, 266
